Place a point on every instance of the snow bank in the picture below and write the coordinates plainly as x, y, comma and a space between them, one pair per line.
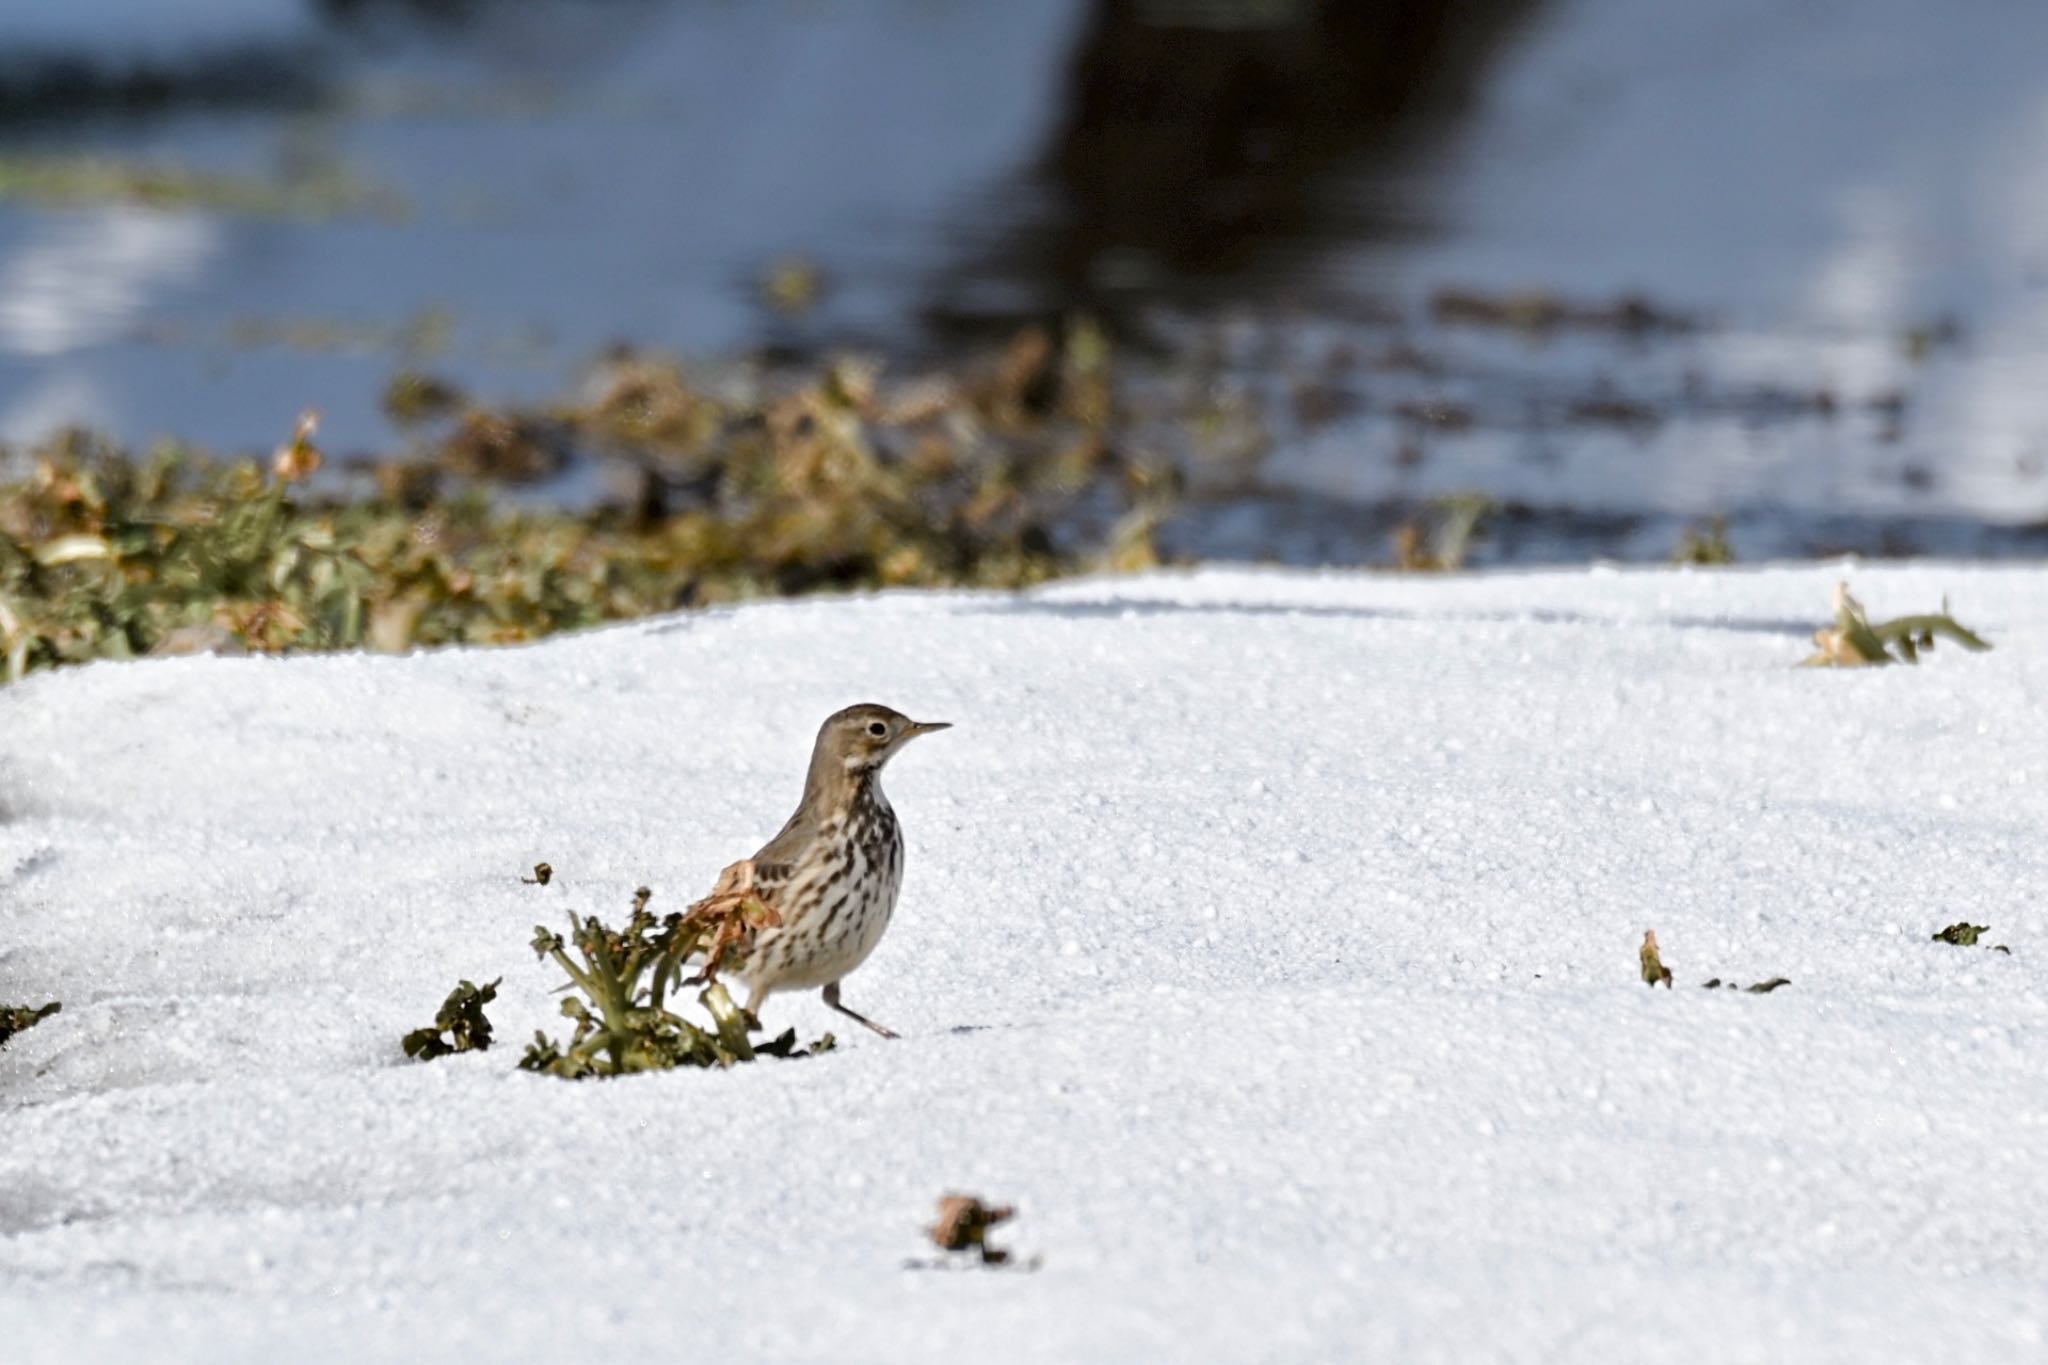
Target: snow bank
1268, 938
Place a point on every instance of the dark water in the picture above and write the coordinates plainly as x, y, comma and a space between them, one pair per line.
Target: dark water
1834, 216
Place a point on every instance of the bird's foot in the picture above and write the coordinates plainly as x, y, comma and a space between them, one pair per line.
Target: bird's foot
832, 1002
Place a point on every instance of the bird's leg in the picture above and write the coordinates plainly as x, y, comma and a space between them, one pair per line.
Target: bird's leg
832, 1002
756, 998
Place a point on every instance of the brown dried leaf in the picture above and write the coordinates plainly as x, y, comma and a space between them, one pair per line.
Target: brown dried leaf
731, 915
1654, 969
298, 458
963, 1225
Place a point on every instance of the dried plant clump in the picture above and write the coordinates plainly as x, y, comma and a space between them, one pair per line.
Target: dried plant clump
1706, 547
461, 1018
730, 917
1441, 541
18, 1018
1654, 970
1964, 934
505, 447
1539, 312
623, 1024
1655, 973
1760, 988
998, 478
963, 1226
1854, 641
411, 398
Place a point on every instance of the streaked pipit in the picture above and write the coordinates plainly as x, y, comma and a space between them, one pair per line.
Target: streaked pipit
833, 872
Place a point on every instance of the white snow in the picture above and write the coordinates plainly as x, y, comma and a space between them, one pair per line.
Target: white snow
1269, 939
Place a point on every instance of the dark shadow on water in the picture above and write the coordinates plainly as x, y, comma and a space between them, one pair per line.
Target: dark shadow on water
1203, 147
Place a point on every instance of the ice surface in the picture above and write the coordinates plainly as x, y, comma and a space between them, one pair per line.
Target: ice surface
1269, 939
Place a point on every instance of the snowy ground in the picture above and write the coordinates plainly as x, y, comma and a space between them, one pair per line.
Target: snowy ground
1269, 939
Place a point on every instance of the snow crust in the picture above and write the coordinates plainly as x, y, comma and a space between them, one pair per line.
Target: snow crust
1269, 939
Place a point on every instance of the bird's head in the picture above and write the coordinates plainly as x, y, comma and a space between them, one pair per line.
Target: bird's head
862, 738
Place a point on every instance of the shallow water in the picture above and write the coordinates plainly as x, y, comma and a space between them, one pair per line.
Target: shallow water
1846, 203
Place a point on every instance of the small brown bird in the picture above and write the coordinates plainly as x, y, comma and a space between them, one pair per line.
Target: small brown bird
834, 870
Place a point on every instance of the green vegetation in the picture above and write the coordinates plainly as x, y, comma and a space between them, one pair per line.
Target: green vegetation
18, 1018
1000, 479
623, 978
623, 1023
1964, 934
1854, 641
461, 1017
1705, 546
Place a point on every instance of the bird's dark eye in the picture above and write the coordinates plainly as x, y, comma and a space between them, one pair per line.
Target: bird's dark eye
877, 729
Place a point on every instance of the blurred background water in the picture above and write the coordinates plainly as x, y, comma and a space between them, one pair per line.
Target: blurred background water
1624, 263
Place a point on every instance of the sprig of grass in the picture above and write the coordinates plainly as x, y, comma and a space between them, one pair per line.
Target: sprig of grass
1855, 641
1441, 541
623, 1024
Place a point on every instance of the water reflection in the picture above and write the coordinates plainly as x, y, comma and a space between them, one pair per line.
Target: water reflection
83, 279
1204, 151
1849, 202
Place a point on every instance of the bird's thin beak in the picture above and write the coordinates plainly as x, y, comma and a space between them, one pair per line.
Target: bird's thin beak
925, 727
